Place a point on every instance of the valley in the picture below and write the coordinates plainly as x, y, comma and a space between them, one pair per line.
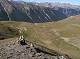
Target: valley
39, 30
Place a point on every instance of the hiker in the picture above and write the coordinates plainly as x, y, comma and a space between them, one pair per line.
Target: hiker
22, 40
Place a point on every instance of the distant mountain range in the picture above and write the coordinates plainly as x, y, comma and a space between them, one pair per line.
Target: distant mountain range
65, 8
36, 12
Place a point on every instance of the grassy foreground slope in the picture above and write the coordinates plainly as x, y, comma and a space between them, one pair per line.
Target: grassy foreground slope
62, 36
7, 32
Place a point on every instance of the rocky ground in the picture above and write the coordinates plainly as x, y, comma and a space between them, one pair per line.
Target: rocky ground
12, 49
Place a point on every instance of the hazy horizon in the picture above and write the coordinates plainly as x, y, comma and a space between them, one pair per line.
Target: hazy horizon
74, 2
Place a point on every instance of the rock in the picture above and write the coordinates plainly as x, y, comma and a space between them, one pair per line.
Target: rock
17, 51
38, 54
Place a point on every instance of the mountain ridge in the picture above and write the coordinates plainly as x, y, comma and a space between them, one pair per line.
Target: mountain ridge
31, 12
61, 36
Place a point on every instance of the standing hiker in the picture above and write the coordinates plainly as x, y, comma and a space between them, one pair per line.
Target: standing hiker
22, 40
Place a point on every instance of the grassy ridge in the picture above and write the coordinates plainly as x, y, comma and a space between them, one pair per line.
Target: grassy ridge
59, 36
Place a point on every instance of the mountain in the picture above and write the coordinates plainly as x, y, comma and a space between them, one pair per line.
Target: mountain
50, 40
21, 11
65, 8
36, 12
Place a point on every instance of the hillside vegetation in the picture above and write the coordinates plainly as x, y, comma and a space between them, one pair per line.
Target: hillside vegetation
7, 32
62, 36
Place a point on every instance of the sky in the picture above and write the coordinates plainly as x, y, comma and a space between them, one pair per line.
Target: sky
76, 2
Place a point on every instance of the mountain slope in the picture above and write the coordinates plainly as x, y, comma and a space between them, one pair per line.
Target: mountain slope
11, 49
28, 12
3, 15
61, 36
7, 32
65, 8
